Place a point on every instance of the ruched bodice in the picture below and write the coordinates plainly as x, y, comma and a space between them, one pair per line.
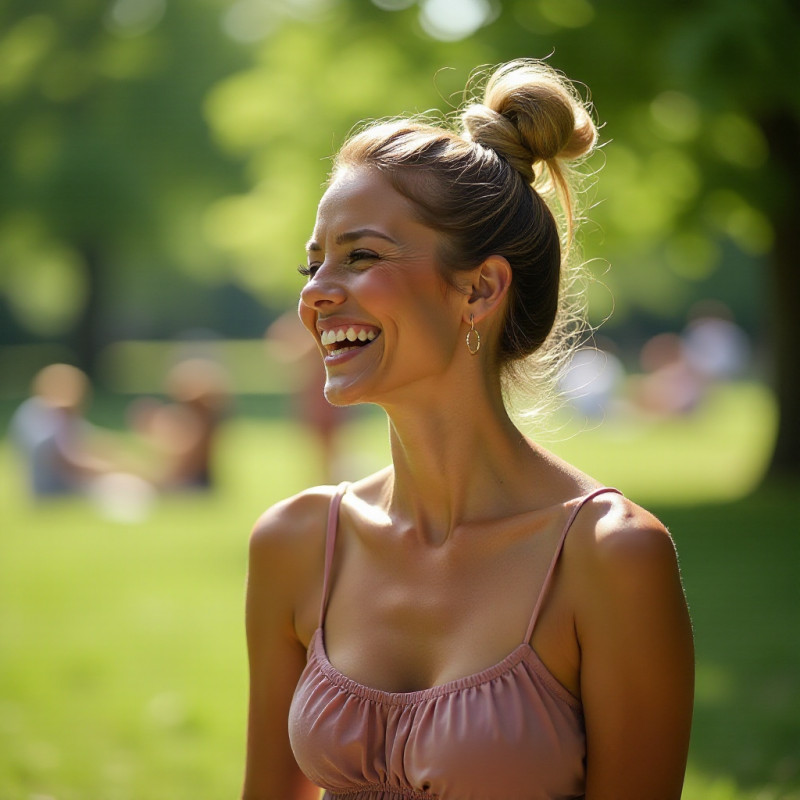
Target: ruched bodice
509, 732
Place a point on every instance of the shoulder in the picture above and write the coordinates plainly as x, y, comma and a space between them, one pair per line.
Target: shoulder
636, 650
287, 542
289, 516
292, 526
623, 560
286, 556
611, 532
619, 552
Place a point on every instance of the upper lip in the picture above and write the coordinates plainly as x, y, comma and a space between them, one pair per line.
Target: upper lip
343, 324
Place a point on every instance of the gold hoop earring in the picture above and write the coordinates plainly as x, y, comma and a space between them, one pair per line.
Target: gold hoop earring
473, 345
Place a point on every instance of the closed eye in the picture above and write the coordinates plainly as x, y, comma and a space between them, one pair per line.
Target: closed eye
355, 256
308, 271
352, 258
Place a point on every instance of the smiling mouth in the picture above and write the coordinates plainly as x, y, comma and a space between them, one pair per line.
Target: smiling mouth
351, 337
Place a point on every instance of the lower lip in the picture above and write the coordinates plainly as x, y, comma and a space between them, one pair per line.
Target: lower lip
340, 358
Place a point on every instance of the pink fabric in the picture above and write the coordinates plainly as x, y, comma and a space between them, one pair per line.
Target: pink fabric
510, 732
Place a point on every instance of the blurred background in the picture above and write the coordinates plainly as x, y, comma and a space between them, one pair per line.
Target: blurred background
160, 166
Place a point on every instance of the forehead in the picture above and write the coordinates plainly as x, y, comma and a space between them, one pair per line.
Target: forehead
361, 197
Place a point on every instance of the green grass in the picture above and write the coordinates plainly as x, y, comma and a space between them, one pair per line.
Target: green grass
122, 662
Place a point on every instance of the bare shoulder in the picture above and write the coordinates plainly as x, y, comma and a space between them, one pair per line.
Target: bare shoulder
623, 571
291, 525
612, 535
287, 547
636, 650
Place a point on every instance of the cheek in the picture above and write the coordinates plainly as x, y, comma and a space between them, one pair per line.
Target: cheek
307, 317
433, 321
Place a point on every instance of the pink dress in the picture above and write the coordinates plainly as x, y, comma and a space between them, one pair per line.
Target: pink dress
509, 732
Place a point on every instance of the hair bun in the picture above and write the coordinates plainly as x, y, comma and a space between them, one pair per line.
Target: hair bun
530, 114
490, 129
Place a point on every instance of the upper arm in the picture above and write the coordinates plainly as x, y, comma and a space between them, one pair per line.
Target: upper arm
276, 577
637, 660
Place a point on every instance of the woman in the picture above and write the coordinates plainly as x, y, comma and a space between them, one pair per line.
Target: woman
480, 619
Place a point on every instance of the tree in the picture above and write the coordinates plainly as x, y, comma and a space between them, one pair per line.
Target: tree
108, 165
111, 169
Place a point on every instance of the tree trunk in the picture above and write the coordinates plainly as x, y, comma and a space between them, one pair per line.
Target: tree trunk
783, 136
87, 334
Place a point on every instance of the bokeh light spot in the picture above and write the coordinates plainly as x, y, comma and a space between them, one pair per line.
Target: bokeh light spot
249, 21
134, 17
452, 20
748, 227
22, 49
738, 141
676, 116
393, 5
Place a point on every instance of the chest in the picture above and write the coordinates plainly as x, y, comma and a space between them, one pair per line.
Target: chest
403, 618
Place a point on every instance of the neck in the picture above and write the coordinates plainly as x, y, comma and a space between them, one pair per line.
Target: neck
457, 458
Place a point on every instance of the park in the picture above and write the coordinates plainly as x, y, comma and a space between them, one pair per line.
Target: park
161, 169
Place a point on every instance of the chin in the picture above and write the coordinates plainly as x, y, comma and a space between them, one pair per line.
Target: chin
341, 396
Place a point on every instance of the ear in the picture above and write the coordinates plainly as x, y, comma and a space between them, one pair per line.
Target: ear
490, 284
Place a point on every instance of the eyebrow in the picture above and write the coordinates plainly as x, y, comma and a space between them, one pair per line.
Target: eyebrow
351, 236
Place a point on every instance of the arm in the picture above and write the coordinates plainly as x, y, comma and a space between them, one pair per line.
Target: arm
637, 658
276, 656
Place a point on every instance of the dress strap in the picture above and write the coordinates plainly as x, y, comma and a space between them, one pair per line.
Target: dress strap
330, 545
559, 548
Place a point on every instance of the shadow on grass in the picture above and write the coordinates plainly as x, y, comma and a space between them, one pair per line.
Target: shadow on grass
740, 568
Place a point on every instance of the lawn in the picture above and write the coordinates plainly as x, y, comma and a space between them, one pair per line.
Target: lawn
122, 662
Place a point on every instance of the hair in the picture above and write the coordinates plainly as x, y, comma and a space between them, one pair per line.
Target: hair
493, 179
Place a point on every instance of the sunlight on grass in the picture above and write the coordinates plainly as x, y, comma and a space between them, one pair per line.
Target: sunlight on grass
719, 453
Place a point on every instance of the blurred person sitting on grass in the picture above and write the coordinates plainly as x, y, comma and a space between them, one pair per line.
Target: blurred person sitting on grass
180, 435
62, 452
479, 619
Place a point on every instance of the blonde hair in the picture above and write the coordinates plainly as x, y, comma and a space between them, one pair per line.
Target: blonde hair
493, 181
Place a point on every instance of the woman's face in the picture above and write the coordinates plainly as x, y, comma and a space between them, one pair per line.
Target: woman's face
385, 321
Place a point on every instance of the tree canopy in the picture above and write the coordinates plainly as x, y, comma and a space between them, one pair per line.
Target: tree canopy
153, 146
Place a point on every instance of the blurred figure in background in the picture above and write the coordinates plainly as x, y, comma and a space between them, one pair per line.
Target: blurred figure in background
62, 452
181, 434
679, 370
593, 382
670, 385
716, 347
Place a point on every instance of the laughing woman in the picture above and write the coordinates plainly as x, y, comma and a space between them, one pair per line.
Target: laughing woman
479, 620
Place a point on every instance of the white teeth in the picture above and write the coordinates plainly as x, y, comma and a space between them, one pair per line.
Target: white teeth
332, 336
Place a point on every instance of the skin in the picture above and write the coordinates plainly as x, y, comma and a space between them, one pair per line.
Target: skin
469, 509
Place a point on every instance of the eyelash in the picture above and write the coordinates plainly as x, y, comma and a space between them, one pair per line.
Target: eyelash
352, 257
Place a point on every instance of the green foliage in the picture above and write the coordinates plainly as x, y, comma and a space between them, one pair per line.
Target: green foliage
105, 151
153, 149
194, 137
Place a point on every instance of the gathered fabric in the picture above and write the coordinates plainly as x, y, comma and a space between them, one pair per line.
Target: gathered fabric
509, 732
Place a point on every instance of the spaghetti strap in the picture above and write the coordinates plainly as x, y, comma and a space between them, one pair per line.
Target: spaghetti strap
559, 547
330, 545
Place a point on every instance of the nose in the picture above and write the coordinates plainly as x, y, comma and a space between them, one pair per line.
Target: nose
322, 290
